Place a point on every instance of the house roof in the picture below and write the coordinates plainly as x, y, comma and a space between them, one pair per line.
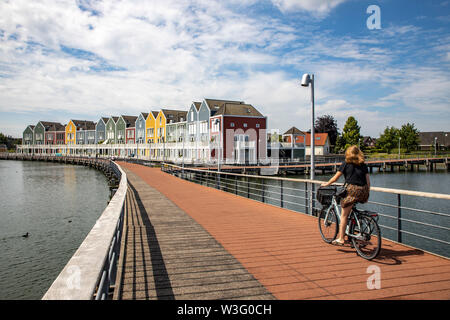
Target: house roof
174, 115
368, 139
427, 138
52, 126
215, 104
240, 109
294, 130
321, 139
84, 124
105, 119
197, 105
155, 114
130, 121
145, 114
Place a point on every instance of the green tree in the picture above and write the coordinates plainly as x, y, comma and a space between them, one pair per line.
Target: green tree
327, 124
350, 135
388, 139
3, 139
410, 137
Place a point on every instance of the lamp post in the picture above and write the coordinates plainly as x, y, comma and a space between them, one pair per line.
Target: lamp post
435, 145
306, 80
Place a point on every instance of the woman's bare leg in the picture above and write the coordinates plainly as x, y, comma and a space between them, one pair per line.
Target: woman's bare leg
345, 212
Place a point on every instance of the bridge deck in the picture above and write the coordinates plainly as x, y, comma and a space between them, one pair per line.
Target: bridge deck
253, 250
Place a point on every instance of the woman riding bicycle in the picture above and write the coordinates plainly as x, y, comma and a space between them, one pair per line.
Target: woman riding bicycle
357, 184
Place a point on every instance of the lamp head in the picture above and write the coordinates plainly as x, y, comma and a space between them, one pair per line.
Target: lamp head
306, 79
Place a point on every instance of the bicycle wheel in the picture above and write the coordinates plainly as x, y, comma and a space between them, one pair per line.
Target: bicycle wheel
328, 228
367, 237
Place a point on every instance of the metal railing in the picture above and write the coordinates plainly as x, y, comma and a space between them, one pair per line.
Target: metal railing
91, 271
405, 216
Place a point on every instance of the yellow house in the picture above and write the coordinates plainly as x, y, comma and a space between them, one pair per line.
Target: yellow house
150, 129
71, 130
160, 127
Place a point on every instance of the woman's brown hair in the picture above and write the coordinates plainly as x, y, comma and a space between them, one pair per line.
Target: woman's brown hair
354, 155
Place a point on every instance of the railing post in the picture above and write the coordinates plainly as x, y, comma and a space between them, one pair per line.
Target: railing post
399, 217
306, 198
263, 200
235, 185
281, 194
248, 187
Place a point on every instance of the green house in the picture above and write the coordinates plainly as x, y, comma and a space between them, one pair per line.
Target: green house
39, 134
111, 130
28, 135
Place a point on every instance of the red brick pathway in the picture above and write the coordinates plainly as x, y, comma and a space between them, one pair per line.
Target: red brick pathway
285, 253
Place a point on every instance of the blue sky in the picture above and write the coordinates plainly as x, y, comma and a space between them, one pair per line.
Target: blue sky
62, 60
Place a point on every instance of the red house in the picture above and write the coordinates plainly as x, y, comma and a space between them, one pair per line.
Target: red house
130, 129
55, 133
237, 132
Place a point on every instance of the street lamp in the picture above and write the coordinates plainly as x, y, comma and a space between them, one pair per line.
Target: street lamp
435, 145
306, 80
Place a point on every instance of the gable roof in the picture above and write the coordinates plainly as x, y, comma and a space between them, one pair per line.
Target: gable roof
321, 139
145, 115
52, 126
427, 138
197, 105
84, 124
130, 121
239, 109
215, 104
174, 115
294, 130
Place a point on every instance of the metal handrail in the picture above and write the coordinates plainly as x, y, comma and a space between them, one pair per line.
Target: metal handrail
92, 269
257, 190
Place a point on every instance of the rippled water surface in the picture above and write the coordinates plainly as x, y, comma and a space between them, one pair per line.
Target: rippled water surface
57, 205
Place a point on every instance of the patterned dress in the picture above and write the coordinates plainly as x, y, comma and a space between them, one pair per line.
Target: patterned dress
355, 194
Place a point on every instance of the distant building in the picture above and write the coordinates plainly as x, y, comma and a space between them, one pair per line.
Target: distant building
3, 148
427, 140
369, 142
321, 143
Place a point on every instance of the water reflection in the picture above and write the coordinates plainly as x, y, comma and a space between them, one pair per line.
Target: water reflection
40, 198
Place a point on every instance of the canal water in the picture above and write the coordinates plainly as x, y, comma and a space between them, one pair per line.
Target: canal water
57, 205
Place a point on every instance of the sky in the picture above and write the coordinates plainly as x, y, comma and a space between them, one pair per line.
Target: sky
67, 59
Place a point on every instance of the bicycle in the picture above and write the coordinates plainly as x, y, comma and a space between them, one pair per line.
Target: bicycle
362, 227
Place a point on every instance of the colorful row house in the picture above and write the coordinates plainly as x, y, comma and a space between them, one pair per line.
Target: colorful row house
211, 130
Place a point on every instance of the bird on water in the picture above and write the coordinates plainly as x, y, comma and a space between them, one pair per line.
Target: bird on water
26, 235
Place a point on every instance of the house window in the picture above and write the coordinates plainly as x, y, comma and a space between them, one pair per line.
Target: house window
232, 124
257, 125
215, 125
245, 125
204, 127
192, 116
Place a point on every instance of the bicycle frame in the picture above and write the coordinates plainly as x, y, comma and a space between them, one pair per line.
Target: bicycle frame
352, 214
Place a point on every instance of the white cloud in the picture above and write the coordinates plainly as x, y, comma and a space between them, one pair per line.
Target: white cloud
168, 53
318, 8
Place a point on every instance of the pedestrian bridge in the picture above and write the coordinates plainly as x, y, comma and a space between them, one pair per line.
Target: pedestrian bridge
178, 239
